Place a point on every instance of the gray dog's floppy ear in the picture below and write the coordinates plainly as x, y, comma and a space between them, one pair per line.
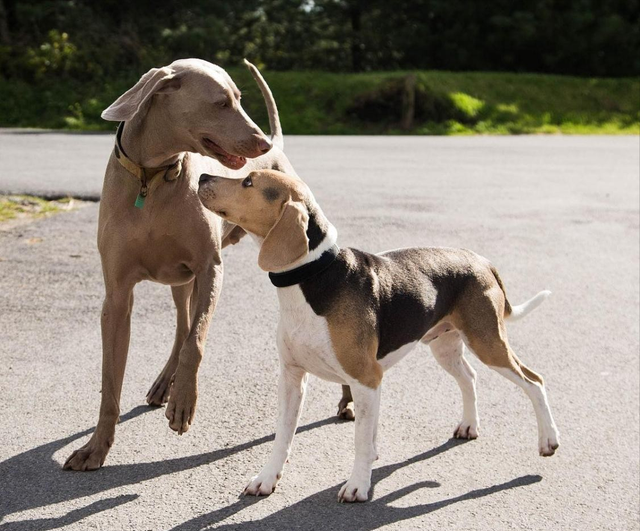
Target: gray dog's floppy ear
287, 240
155, 81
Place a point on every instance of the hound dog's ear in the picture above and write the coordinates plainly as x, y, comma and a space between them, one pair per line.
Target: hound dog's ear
287, 240
155, 81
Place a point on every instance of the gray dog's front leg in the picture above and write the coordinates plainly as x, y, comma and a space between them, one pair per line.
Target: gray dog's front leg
116, 327
159, 392
182, 399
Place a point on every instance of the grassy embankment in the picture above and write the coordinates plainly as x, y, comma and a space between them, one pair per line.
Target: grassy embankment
371, 103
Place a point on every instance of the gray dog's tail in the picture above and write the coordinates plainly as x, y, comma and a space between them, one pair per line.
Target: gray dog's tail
272, 109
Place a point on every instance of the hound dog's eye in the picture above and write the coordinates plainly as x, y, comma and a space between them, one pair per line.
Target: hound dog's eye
222, 104
247, 183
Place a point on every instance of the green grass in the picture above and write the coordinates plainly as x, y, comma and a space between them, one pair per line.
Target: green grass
448, 103
13, 206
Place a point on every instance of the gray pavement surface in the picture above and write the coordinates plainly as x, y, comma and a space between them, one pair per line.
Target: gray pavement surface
551, 212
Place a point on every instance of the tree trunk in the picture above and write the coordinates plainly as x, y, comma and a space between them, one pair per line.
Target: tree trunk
5, 37
355, 14
409, 101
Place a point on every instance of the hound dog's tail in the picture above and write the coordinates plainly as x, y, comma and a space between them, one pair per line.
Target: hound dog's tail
272, 108
515, 313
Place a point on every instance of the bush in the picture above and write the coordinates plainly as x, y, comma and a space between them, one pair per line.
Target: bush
384, 105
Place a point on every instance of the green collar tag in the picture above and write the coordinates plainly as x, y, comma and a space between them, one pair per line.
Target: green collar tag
139, 201
142, 194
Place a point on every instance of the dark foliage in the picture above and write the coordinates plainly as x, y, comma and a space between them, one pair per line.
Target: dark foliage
90, 40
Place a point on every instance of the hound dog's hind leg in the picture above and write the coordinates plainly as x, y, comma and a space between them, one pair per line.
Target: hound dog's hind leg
159, 392
533, 385
345, 406
448, 350
481, 321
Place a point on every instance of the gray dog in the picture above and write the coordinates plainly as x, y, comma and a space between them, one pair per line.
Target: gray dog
177, 122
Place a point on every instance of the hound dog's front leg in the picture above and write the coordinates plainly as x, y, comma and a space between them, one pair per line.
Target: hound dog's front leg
291, 389
182, 400
367, 404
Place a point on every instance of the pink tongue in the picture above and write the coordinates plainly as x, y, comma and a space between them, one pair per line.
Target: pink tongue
232, 160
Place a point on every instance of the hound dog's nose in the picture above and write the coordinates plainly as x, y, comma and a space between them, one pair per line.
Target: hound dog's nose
205, 178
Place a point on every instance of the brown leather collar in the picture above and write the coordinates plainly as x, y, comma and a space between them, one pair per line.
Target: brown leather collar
144, 175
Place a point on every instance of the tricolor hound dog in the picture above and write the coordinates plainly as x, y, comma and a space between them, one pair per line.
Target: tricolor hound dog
347, 315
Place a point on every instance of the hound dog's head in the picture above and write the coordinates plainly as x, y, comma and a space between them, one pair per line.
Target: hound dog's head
268, 204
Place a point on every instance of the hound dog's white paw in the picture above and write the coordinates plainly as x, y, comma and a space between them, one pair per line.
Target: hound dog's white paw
548, 445
347, 413
263, 484
354, 490
345, 409
466, 430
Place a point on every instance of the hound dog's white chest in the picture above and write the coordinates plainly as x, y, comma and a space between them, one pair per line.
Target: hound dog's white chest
304, 339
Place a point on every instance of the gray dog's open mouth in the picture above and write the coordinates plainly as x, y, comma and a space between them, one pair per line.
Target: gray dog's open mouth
234, 162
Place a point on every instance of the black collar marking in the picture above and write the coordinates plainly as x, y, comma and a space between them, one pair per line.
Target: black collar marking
306, 271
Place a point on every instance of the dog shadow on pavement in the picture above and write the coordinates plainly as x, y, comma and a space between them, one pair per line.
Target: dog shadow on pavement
33, 479
322, 510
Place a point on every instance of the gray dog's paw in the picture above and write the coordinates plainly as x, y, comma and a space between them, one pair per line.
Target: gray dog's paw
159, 392
90, 457
181, 407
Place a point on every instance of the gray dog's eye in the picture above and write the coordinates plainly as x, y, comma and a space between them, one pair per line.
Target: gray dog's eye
246, 183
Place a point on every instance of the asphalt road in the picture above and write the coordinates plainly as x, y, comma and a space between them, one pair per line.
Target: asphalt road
551, 212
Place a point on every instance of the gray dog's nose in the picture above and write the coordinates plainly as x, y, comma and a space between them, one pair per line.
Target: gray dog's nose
205, 178
264, 144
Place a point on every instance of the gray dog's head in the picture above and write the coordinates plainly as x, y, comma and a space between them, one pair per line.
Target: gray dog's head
202, 103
